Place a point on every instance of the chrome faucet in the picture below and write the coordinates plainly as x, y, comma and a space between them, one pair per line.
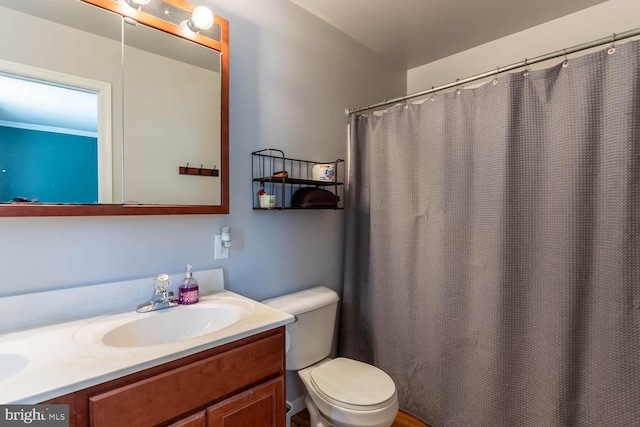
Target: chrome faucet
161, 299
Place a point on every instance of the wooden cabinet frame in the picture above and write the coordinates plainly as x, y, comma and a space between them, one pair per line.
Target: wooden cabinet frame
177, 390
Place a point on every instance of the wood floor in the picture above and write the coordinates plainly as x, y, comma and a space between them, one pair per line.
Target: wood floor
301, 419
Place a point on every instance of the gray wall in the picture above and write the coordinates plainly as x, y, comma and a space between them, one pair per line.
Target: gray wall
291, 78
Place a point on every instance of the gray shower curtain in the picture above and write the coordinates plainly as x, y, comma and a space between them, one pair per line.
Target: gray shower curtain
493, 248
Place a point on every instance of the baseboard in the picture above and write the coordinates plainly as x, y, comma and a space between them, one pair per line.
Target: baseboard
297, 405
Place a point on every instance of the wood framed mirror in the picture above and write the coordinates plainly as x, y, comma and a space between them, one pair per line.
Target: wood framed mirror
201, 174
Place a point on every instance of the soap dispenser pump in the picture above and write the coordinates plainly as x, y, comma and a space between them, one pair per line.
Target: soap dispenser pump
188, 290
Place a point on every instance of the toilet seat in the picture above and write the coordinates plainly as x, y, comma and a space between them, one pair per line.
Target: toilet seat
353, 385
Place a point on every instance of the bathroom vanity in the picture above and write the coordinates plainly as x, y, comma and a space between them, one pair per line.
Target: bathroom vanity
220, 362
237, 384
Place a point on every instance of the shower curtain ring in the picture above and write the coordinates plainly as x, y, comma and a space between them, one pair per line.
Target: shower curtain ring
526, 69
458, 91
612, 49
495, 78
433, 94
565, 64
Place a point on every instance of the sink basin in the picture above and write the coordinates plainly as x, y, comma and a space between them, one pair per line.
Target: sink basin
200, 321
11, 364
172, 325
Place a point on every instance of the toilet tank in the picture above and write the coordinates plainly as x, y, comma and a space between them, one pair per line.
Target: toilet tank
310, 337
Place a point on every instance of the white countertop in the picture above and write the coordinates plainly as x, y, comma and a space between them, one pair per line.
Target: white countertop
70, 356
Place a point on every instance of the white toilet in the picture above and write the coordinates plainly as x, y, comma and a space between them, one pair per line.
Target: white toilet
340, 392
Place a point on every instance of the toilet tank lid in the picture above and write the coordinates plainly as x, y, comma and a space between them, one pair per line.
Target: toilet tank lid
303, 301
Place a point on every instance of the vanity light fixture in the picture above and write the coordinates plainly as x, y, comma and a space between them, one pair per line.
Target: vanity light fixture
137, 4
201, 19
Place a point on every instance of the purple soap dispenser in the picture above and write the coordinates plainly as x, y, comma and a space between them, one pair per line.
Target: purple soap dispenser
188, 290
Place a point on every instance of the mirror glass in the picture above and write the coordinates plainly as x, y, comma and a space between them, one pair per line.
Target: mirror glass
110, 114
171, 118
60, 103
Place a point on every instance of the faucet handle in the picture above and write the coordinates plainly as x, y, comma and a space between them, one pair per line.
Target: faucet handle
161, 283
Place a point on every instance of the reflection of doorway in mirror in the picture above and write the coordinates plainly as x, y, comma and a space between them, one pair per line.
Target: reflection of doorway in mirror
55, 141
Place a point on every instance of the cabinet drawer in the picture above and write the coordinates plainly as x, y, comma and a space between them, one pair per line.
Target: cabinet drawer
161, 398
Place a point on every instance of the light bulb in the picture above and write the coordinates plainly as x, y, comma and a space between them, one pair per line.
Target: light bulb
137, 3
201, 19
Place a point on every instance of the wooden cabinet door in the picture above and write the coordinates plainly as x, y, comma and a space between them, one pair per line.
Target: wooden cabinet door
195, 420
260, 406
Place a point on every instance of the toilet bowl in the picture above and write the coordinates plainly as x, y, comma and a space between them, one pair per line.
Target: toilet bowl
341, 392
345, 393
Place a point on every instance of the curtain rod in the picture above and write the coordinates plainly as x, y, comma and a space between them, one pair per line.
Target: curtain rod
564, 52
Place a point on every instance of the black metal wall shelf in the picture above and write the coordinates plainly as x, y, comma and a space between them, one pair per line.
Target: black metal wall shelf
276, 178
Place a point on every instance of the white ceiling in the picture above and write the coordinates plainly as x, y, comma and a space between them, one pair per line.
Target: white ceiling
415, 32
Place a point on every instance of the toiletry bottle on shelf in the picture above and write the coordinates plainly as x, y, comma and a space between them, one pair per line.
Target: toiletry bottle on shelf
188, 290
